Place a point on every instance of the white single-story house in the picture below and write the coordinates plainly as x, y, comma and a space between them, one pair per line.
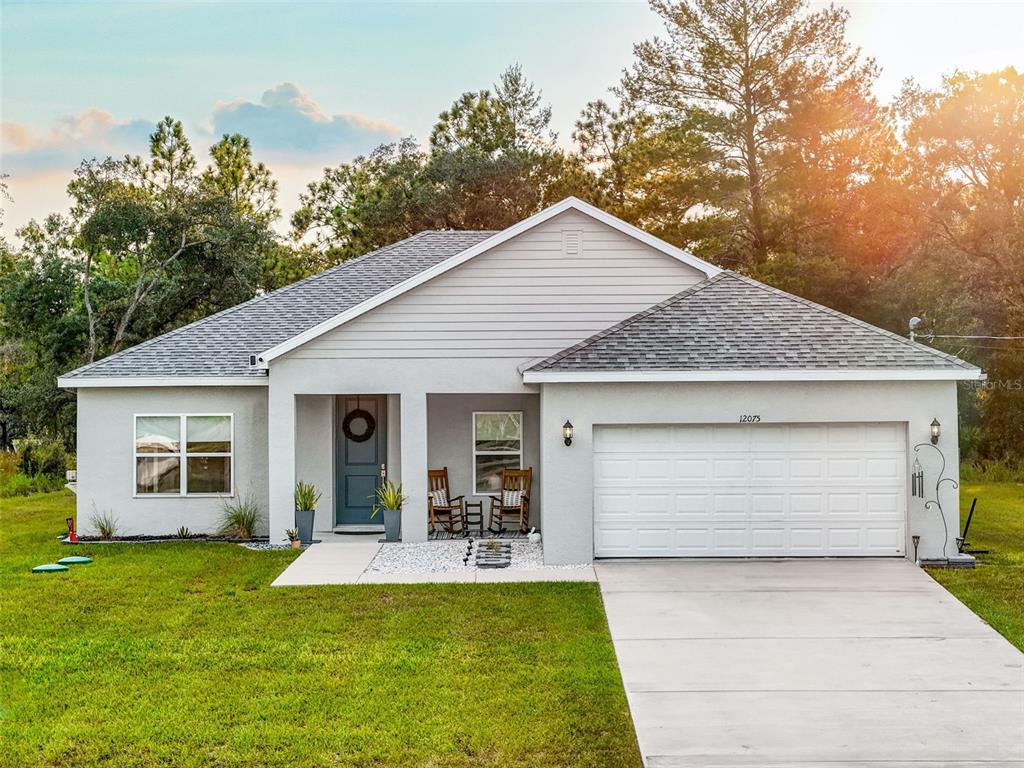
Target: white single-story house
711, 415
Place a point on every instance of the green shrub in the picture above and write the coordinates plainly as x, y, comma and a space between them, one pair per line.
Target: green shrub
306, 496
992, 471
23, 485
241, 516
388, 496
104, 522
42, 457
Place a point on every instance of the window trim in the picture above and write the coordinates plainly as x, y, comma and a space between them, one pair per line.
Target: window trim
182, 456
474, 452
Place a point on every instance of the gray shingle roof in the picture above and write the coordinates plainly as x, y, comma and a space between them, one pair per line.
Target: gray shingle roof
220, 344
731, 322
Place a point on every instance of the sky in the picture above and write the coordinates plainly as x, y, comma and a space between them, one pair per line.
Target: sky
314, 84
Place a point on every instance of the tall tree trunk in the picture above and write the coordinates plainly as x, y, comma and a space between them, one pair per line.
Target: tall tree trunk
90, 351
759, 242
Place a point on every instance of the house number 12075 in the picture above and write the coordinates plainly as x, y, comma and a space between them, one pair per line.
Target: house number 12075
749, 418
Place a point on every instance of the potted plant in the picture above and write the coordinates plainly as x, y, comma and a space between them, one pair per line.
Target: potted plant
306, 497
389, 500
293, 537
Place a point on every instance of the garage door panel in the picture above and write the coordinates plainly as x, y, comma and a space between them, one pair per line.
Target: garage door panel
729, 469
728, 540
692, 469
613, 469
768, 505
807, 540
750, 490
883, 468
608, 506
652, 469
806, 469
883, 505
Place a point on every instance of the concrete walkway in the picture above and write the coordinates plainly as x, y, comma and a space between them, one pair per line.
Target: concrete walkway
329, 564
810, 662
333, 563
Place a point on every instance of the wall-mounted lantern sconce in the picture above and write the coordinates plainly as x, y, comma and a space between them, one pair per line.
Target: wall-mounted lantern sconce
936, 431
567, 432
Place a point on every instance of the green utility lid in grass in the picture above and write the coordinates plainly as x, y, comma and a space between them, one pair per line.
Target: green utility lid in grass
74, 560
49, 568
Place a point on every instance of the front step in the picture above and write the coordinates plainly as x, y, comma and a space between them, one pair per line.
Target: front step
359, 528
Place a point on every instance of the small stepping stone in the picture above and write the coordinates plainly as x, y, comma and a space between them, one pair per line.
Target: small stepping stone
49, 568
74, 560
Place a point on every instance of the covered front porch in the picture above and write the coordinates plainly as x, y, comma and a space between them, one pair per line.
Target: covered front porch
346, 443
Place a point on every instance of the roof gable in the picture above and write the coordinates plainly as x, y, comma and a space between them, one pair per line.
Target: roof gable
570, 203
732, 324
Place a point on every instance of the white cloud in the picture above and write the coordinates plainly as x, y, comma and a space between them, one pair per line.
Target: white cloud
287, 122
71, 139
288, 129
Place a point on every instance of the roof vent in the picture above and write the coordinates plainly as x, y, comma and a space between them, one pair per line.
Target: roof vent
252, 361
572, 242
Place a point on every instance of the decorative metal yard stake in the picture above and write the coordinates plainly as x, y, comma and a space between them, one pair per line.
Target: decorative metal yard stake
940, 479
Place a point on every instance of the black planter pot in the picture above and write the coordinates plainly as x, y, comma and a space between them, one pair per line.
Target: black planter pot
304, 522
392, 524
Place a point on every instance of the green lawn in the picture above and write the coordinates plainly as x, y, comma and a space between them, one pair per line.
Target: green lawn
995, 589
183, 655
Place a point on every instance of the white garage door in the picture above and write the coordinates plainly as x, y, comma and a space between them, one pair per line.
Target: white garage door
749, 490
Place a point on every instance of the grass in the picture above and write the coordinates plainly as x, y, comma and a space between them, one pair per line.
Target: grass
182, 654
995, 589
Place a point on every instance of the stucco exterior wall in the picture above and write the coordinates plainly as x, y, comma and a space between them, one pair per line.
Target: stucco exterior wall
450, 439
314, 453
566, 489
106, 476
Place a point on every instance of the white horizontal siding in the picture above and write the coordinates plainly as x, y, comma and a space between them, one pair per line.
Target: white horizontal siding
522, 300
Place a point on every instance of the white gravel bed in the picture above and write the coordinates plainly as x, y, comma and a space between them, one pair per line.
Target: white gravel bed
440, 556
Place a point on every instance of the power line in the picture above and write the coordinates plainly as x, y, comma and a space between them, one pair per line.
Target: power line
952, 336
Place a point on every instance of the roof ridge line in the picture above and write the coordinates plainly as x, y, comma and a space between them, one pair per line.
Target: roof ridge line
850, 318
642, 314
254, 300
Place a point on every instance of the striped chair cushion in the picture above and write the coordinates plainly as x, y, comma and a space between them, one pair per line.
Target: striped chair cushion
439, 498
511, 498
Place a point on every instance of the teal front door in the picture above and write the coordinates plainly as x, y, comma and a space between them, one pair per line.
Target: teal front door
360, 451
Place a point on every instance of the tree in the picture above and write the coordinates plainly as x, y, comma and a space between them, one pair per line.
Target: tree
529, 118
741, 68
511, 119
248, 185
365, 204
489, 166
604, 137
653, 172
965, 169
157, 219
149, 244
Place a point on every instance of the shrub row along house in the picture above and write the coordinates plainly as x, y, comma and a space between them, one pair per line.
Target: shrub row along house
710, 415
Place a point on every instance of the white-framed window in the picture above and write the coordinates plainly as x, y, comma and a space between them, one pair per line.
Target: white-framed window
189, 454
497, 445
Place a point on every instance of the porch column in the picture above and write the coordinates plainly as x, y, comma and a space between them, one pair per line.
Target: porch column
281, 454
414, 465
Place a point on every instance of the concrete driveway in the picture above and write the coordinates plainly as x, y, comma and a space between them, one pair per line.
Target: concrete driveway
810, 662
